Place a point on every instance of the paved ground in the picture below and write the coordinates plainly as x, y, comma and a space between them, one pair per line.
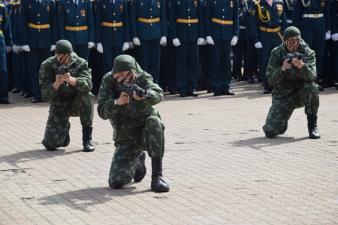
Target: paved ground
220, 168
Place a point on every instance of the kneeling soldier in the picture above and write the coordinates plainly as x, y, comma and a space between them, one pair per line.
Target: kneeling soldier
291, 72
126, 98
65, 82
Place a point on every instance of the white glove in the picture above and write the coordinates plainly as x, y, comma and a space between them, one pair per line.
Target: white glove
327, 35
52, 48
26, 48
210, 41
334, 37
125, 46
136, 41
99, 48
9, 49
91, 45
258, 45
176, 42
200, 41
163, 41
16, 49
234, 41
131, 45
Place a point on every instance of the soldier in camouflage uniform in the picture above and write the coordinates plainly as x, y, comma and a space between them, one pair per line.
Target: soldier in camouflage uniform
69, 95
137, 127
292, 79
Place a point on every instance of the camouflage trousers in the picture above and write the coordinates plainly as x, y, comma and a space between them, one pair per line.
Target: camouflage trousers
283, 106
149, 137
58, 125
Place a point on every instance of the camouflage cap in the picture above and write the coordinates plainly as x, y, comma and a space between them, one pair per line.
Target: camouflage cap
291, 32
63, 47
126, 63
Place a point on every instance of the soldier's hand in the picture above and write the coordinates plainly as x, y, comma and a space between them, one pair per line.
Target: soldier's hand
286, 65
123, 99
58, 81
298, 63
136, 97
69, 79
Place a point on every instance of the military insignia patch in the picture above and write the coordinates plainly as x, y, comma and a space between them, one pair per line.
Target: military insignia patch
195, 3
83, 12
158, 4
121, 8
231, 4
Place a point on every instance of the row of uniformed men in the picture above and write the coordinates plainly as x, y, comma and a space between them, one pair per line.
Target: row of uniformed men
114, 26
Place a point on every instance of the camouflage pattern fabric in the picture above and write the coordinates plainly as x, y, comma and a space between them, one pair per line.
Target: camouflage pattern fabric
293, 88
133, 132
67, 101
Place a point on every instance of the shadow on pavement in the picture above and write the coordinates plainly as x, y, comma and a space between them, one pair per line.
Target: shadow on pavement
257, 143
21, 157
84, 198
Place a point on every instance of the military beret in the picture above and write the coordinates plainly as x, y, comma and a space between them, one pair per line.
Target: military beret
291, 32
125, 63
63, 47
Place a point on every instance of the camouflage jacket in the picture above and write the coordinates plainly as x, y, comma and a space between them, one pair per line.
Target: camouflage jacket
144, 108
293, 77
64, 96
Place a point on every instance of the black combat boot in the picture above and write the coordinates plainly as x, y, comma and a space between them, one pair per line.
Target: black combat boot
157, 182
312, 127
87, 139
140, 169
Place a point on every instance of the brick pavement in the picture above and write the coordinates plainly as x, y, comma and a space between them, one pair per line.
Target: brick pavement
220, 168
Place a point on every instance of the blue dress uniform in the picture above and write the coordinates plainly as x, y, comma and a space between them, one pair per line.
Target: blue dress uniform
76, 24
222, 24
267, 23
112, 29
38, 28
312, 17
167, 79
149, 24
186, 25
240, 50
334, 31
5, 40
289, 6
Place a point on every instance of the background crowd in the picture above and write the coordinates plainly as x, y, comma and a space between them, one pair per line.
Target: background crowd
186, 45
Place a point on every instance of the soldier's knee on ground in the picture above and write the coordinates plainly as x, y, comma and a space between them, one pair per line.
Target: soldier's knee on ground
270, 133
115, 184
50, 146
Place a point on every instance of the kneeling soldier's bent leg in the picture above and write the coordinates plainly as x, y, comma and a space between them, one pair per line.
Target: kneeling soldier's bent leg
278, 117
57, 128
123, 165
153, 138
83, 106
